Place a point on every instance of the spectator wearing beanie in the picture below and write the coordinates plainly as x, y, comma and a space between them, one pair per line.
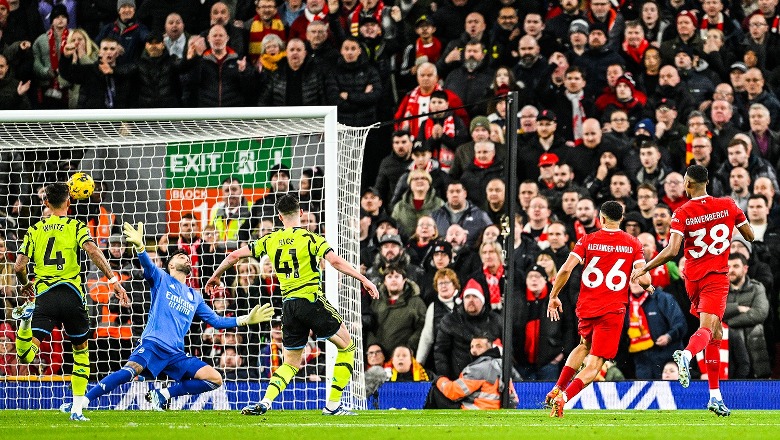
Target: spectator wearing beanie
464, 155
687, 35
625, 99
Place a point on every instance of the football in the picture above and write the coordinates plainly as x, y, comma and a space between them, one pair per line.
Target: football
81, 186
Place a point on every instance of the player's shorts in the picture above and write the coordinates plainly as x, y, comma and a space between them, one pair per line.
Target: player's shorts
176, 364
709, 294
299, 315
603, 333
61, 305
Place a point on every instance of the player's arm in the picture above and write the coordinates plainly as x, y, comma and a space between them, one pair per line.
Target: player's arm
344, 267
663, 257
97, 257
257, 315
747, 231
554, 307
20, 267
226, 264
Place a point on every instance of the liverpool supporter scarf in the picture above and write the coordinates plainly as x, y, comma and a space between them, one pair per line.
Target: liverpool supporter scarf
418, 372
417, 104
537, 307
54, 54
430, 50
577, 115
541, 240
775, 24
638, 330
258, 30
636, 53
322, 16
358, 14
447, 123
706, 24
494, 284
484, 165
579, 228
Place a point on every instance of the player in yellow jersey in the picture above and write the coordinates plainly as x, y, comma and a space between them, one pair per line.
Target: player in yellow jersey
296, 254
52, 245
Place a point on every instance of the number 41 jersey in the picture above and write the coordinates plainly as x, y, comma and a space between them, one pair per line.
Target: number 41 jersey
609, 256
295, 254
706, 224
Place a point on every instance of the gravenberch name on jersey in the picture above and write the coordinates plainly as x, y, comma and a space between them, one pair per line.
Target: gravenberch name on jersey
706, 217
609, 248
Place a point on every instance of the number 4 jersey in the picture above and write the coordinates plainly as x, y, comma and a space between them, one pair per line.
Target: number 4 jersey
295, 254
706, 224
609, 256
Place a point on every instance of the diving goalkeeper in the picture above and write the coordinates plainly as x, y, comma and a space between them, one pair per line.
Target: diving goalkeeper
161, 349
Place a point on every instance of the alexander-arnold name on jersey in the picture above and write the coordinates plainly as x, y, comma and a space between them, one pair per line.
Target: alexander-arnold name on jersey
609, 248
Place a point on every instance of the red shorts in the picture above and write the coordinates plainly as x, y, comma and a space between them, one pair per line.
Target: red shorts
603, 333
709, 294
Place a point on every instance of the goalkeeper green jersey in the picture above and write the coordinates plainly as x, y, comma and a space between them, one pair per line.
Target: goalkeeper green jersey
295, 254
53, 247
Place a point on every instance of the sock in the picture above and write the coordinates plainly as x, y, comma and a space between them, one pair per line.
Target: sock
699, 340
110, 382
80, 376
716, 393
712, 362
282, 376
165, 393
342, 373
574, 388
566, 374
189, 387
25, 349
687, 355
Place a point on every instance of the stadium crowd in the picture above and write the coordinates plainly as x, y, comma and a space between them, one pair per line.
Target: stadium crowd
617, 98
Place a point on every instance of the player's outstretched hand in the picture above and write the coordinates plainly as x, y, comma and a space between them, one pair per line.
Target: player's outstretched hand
554, 309
258, 314
121, 294
636, 273
135, 236
372, 290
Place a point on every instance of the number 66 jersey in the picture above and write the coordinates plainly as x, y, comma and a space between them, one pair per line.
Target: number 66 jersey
609, 255
706, 224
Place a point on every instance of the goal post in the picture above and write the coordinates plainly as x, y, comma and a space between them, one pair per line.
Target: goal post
156, 165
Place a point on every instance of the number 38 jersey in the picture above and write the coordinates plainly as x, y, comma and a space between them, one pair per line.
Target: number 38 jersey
295, 254
706, 224
53, 247
609, 256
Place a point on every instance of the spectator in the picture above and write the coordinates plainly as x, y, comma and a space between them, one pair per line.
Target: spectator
447, 287
357, 85
12, 92
421, 243
674, 192
9, 365
313, 10
127, 31
265, 208
763, 186
495, 197
687, 35
485, 166
465, 260
538, 221
699, 85
155, 76
290, 10
422, 160
382, 226
653, 171
662, 221
221, 14
218, 76
375, 356
393, 253
739, 156
418, 201
603, 66
544, 140
662, 276
400, 311
701, 149
758, 215
538, 341
739, 181
531, 67
231, 215
479, 384
560, 26
442, 132
101, 86
504, 35
87, 52
272, 53
464, 155
265, 22
766, 142
587, 219
634, 47
404, 367
490, 280
453, 341
46, 51
460, 210
427, 48
394, 165
671, 371
473, 77
570, 104
320, 50
175, 38
746, 309
296, 82
655, 327
757, 94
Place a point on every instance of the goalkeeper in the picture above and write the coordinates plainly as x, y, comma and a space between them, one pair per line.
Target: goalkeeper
296, 254
161, 349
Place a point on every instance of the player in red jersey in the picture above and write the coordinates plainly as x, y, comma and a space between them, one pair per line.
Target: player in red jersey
705, 224
608, 254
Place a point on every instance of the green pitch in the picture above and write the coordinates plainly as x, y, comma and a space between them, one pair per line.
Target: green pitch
377, 425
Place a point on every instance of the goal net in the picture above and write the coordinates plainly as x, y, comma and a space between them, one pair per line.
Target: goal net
201, 180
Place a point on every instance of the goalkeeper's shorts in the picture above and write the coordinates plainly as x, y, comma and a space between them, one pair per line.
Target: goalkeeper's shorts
299, 316
177, 365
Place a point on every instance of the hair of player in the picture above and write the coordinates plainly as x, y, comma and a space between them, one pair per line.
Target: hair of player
173, 255
738, 256
288, 204
698, 174
612, 210
57, 194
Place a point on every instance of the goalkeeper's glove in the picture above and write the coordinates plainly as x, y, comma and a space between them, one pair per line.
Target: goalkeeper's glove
135, 236
258, 314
